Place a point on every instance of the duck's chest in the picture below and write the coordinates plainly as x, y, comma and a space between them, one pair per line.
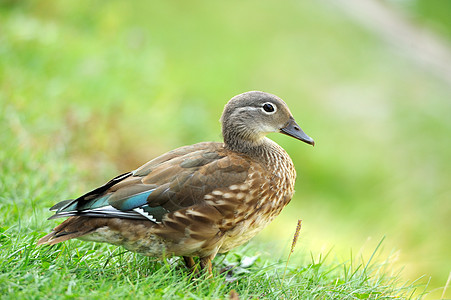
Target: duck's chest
266, 194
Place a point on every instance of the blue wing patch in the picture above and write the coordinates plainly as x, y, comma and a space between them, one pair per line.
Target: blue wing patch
131, 202
95, 203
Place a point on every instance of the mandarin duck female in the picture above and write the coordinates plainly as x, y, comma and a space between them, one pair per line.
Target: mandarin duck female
198, 200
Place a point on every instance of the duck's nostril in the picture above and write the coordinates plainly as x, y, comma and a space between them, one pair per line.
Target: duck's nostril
296, 128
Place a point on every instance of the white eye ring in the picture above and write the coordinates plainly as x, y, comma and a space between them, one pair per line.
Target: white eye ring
269, 108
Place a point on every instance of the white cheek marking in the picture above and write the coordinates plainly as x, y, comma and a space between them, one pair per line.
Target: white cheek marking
241, 109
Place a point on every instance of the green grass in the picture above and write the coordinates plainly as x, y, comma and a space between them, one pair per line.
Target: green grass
92, 271
90, 89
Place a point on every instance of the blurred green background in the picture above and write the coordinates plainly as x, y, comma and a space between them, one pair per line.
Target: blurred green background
89, 89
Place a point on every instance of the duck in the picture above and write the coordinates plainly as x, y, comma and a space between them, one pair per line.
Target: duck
195, 201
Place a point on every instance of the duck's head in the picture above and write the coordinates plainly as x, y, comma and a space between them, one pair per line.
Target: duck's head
247, 118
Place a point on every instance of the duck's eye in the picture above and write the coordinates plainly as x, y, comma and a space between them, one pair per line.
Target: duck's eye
268, 107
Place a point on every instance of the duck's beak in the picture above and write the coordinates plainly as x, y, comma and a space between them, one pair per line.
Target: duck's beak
292, 129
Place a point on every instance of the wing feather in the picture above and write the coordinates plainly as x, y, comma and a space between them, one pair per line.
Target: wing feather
176, 180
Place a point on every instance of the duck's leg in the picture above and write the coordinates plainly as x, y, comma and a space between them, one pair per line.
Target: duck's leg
205, 264
189, 262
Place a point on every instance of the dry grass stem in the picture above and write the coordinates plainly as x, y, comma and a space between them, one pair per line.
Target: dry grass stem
446, 286
293, 244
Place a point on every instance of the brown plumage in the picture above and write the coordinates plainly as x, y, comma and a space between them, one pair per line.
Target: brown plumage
198, 200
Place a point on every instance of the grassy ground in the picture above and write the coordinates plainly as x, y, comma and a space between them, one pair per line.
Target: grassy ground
93, 271
91, 89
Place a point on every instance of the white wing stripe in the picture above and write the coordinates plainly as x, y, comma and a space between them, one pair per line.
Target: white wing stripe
146, 215
136, 213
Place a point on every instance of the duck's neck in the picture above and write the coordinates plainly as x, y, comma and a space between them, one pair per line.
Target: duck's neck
263, 149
